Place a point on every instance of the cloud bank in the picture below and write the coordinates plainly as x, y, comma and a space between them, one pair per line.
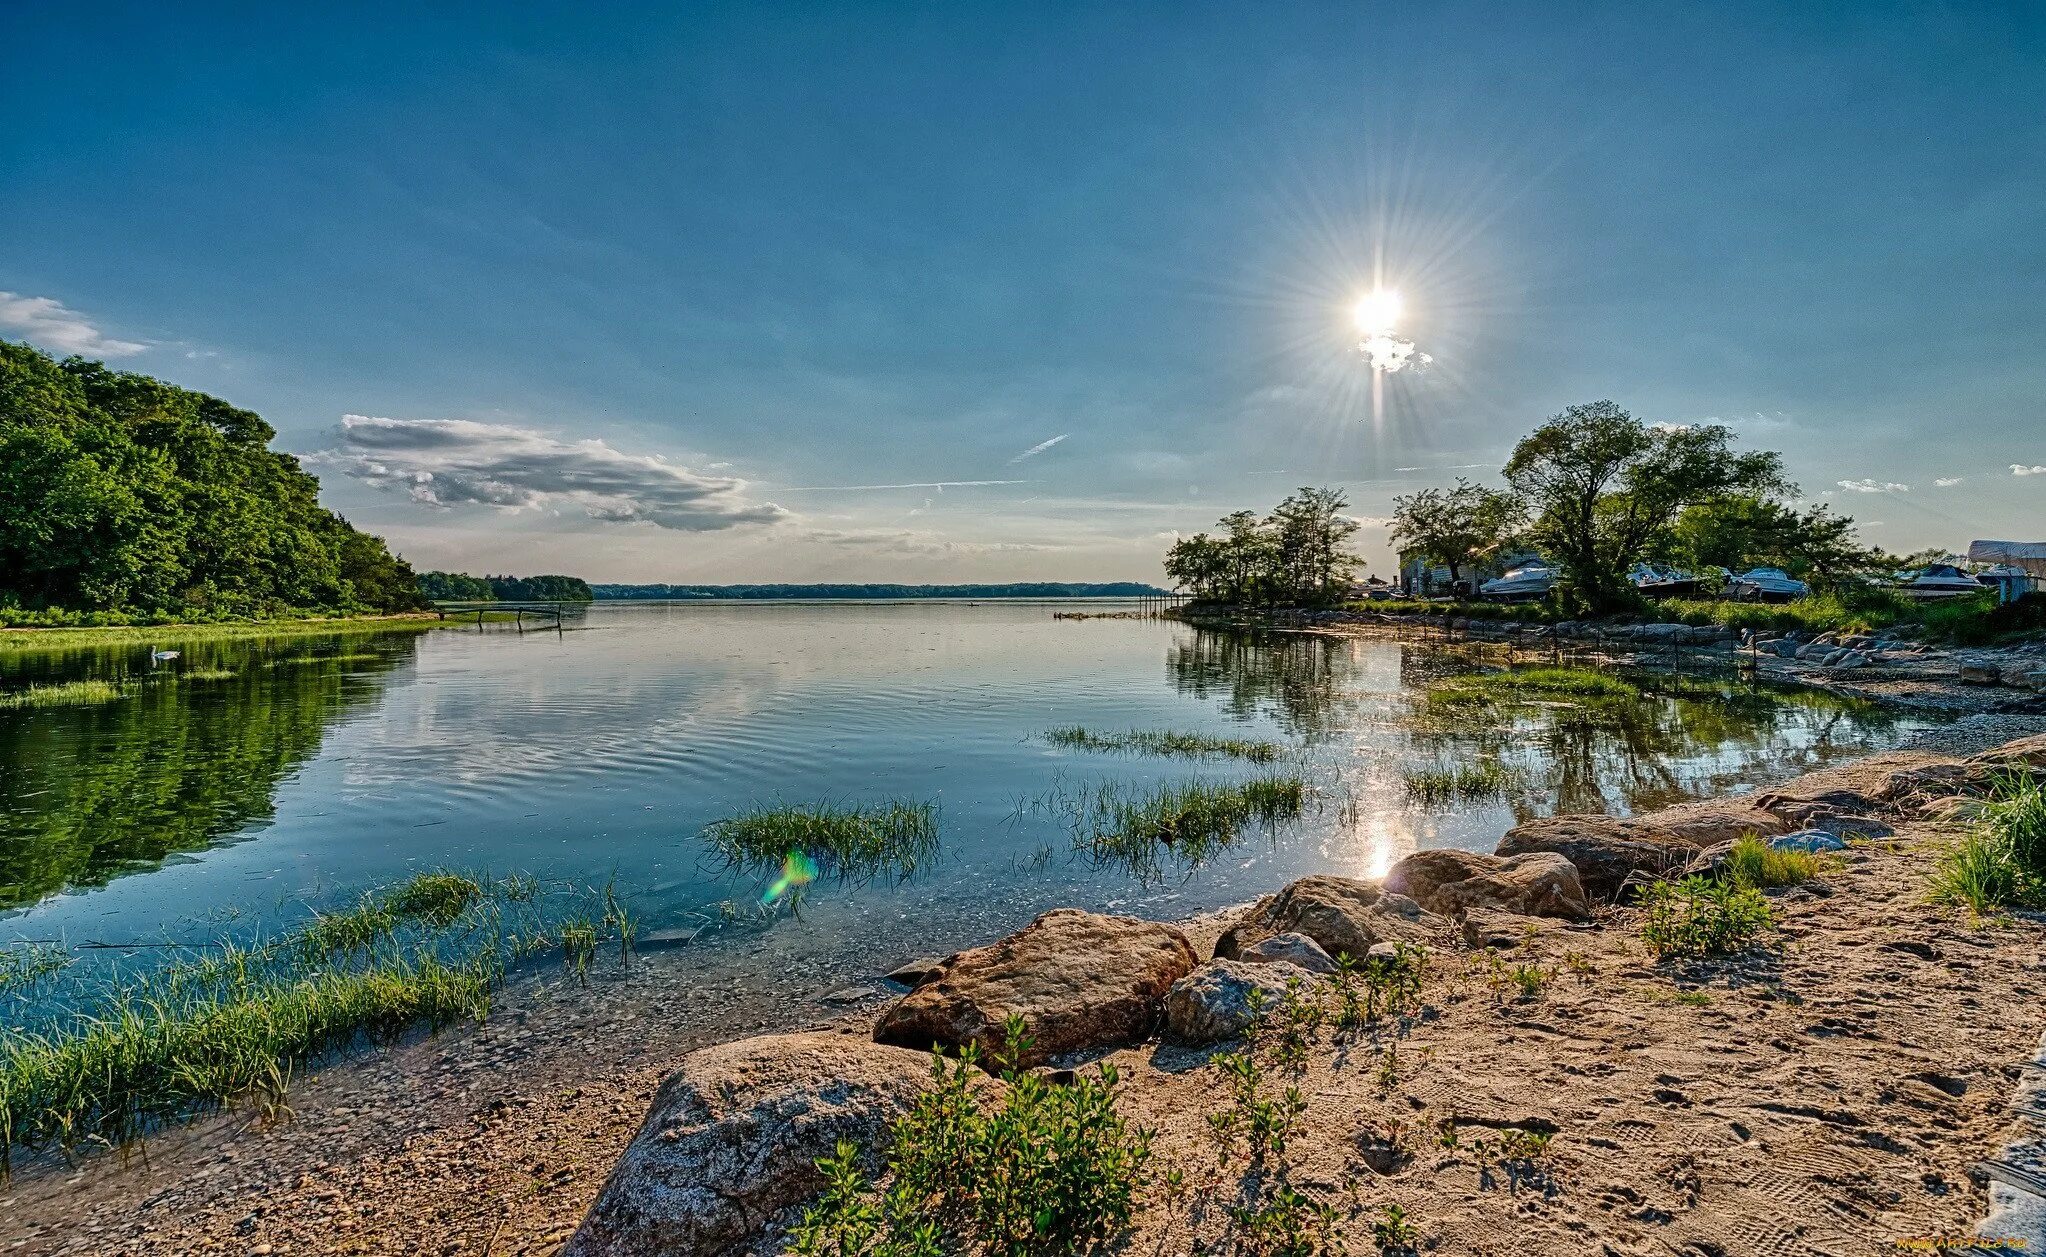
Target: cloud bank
453, 462
2019, 469
1873, 486
57, 327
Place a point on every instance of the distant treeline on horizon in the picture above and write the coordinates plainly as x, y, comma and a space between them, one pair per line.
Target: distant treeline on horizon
1035, 589
462, 587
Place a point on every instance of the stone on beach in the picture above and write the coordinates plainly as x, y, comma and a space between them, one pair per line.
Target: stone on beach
1342, 915
1607, 851
2021, 755
1213, 1002
1447, 881
1079, 980
1293, 949
733, 1137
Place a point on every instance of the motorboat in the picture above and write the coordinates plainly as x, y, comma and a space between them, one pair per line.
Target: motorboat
1521, 584
1766, 584
1662, 582
1942, 580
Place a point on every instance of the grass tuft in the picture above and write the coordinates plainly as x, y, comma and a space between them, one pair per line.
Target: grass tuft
1466, 783
1143, 828
1166, 742
1532, 684
1755, 864
2001, 863
850, 843
62, 694
1698, 918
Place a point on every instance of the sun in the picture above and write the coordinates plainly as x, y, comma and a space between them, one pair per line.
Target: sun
1378, 311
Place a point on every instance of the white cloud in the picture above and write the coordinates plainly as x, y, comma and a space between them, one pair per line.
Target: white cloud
1040, 447
1873, 486
56, 326
2019, 469
450, 462
906, 541
1947, 482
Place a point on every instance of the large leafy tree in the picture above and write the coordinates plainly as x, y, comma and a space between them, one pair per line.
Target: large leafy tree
1297, 554
1742, 531
1603, 487
118, 491
1455, 527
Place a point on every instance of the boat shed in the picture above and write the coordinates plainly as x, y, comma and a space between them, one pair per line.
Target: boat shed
2028, 557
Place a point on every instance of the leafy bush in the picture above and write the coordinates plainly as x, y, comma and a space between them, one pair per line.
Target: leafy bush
1054, 1169
1698, 917
1754, 863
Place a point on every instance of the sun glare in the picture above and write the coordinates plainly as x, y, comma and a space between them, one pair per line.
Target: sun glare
1378, 311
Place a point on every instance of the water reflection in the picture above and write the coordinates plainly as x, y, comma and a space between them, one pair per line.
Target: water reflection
1309, 683
90, 793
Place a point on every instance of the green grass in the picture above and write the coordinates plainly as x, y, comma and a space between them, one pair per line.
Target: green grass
178, 634
1528, 684
2001, 862
61, 694
1755, 864
24, 967
1467, 783
206, 674
1145, 829
1698, 918
852, 843
1051, 1168
105, 1057
1166, 742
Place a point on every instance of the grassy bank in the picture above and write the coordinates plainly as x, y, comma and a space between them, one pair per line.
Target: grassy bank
177, 634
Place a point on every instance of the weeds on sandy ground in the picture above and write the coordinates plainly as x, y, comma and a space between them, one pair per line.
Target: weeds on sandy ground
1166, 742
852, 843
1465, 783
2001, 862
1755, 864
1698, 918
1054, 1169
1149, 829
61, 694
103, 1058
1539, 683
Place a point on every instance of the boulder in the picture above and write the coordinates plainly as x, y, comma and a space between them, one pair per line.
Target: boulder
1213, 1002
1342, 915
1079, 980
1709, 821
1808, 841
1980, 674
915, 973
1607, 851
1290, 949
1852, 797
2022, 755
1451, 882
1850, 659
733, 1137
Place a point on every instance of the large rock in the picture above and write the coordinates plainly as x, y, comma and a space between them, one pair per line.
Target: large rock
1447, 881
1853, 796
1709, 821
1342, 915
1078, 979
1290, 949
1213, 1002
2023, 755
733, 1136
1607, 851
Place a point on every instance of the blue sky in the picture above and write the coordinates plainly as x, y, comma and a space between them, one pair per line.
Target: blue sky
659, 292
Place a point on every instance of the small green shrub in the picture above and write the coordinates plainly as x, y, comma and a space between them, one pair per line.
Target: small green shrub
1394, 1231
1698, 917
1754, 863
1286, 1223
1054, 1169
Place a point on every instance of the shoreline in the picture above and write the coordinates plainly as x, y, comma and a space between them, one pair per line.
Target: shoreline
498, 1135
58, 638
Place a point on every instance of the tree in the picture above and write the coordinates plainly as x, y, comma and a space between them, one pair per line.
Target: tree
1296, 554
1742, 531
1603, 487
1454, 527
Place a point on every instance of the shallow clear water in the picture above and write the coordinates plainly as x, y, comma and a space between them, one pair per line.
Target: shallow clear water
326, 765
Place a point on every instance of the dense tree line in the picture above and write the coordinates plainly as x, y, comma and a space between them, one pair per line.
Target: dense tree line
120, 492
1295, 555
461, 587
1027, 589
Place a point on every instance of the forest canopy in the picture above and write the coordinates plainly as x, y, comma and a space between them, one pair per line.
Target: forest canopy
119, 492
462, 587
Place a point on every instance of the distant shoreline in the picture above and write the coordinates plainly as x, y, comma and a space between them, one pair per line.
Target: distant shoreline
872, 592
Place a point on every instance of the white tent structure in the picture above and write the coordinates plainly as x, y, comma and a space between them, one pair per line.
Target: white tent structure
2020, 566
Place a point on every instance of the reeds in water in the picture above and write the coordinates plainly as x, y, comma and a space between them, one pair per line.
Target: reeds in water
850, 842
1151, 830
1533, 683
1166, 742
1481, 781
61, 694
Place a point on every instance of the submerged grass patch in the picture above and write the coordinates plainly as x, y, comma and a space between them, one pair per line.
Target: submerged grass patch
1166, 742
2001, 862
1533, 683
1145, 829
1464, 783
61, 694
853, 843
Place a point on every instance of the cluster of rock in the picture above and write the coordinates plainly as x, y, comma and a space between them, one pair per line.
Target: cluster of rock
732, 1137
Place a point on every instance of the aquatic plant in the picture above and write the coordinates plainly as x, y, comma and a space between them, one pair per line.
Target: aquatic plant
851, 843
1754, 863
1166, 742
1054, 1168
206, 674
1532, 684
1145, 828
25, 966
2001, 862
1698, 917
62, 694
1469, 783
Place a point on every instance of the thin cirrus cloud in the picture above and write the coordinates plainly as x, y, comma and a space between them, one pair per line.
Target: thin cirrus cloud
56, 326
1040, 447
1947, 482
454, 462
2020, 469
1873, 486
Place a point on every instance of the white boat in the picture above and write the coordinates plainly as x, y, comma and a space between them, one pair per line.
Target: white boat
1526, 582
1662, 582
1766, 584
1942, 580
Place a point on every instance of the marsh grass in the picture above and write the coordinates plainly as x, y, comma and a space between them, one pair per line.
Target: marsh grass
1533, 684
24, 967
62, 694
1166, 742
105, 1058
851, 843
1754, 863
206, 674
2001, 862
1149, 829
1465, 783
167, 633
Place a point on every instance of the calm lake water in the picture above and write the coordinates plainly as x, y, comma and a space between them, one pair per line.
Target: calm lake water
278, 776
